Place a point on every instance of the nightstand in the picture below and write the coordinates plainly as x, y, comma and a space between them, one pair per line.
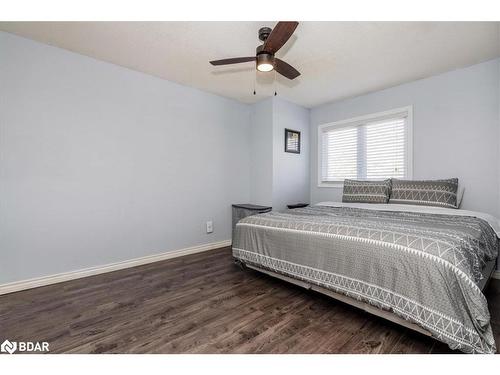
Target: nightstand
246, 209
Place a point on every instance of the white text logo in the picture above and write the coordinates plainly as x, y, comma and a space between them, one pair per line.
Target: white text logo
21, 346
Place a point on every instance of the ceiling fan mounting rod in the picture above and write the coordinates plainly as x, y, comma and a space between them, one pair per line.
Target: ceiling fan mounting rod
264, 33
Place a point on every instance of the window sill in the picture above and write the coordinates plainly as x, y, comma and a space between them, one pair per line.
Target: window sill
331, 185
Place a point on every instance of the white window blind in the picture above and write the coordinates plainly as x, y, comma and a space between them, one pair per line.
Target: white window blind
370, 149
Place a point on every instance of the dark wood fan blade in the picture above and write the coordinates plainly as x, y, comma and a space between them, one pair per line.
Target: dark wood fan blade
279, 36
285, 69
234, 60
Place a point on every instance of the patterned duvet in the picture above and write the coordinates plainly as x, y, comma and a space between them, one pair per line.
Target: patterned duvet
424, 267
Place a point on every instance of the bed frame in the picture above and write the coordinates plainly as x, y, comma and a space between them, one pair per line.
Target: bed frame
487, 273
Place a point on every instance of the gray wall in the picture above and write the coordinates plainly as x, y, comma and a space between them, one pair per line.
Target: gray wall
290, 171
100, 164
455, 130
261, 153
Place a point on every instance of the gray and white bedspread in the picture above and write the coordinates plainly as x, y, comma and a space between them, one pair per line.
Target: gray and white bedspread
424, 267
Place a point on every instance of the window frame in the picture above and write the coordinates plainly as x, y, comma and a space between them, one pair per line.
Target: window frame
360, 120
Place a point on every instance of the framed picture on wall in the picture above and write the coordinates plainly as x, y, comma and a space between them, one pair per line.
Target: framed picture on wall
292, 141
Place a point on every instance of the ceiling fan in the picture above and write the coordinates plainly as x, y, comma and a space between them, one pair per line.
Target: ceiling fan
265, 60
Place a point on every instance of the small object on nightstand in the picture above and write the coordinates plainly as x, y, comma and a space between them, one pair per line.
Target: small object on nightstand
297, 205
246, 209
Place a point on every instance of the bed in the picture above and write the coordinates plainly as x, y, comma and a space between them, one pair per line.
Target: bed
422, 267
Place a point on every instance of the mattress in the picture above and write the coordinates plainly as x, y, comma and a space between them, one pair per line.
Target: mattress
423, 264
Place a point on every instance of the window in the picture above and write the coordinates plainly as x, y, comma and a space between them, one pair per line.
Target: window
371, 147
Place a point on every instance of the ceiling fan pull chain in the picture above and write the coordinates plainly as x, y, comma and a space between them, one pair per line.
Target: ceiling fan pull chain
254, 82
275, 93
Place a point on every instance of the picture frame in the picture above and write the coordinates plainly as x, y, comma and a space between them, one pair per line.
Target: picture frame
292, 141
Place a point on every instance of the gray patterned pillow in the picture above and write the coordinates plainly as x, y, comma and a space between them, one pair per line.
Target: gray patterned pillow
366, 191
439, 193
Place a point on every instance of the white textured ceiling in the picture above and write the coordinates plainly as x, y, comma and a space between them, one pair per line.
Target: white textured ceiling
336, 59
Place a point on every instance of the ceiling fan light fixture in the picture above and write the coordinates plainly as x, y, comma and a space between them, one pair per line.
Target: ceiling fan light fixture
265, 67
265, 62
264, 58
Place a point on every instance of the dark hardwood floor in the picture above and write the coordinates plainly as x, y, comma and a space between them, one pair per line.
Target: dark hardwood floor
202, 303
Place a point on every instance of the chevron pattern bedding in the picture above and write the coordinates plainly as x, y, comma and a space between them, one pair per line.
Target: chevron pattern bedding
366, 191
439, 193
423, 267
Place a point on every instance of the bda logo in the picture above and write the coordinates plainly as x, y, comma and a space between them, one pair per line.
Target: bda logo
8, 347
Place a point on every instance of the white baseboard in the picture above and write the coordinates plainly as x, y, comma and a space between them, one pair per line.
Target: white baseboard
66, 276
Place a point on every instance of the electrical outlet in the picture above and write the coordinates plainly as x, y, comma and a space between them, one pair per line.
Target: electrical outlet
210, 226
